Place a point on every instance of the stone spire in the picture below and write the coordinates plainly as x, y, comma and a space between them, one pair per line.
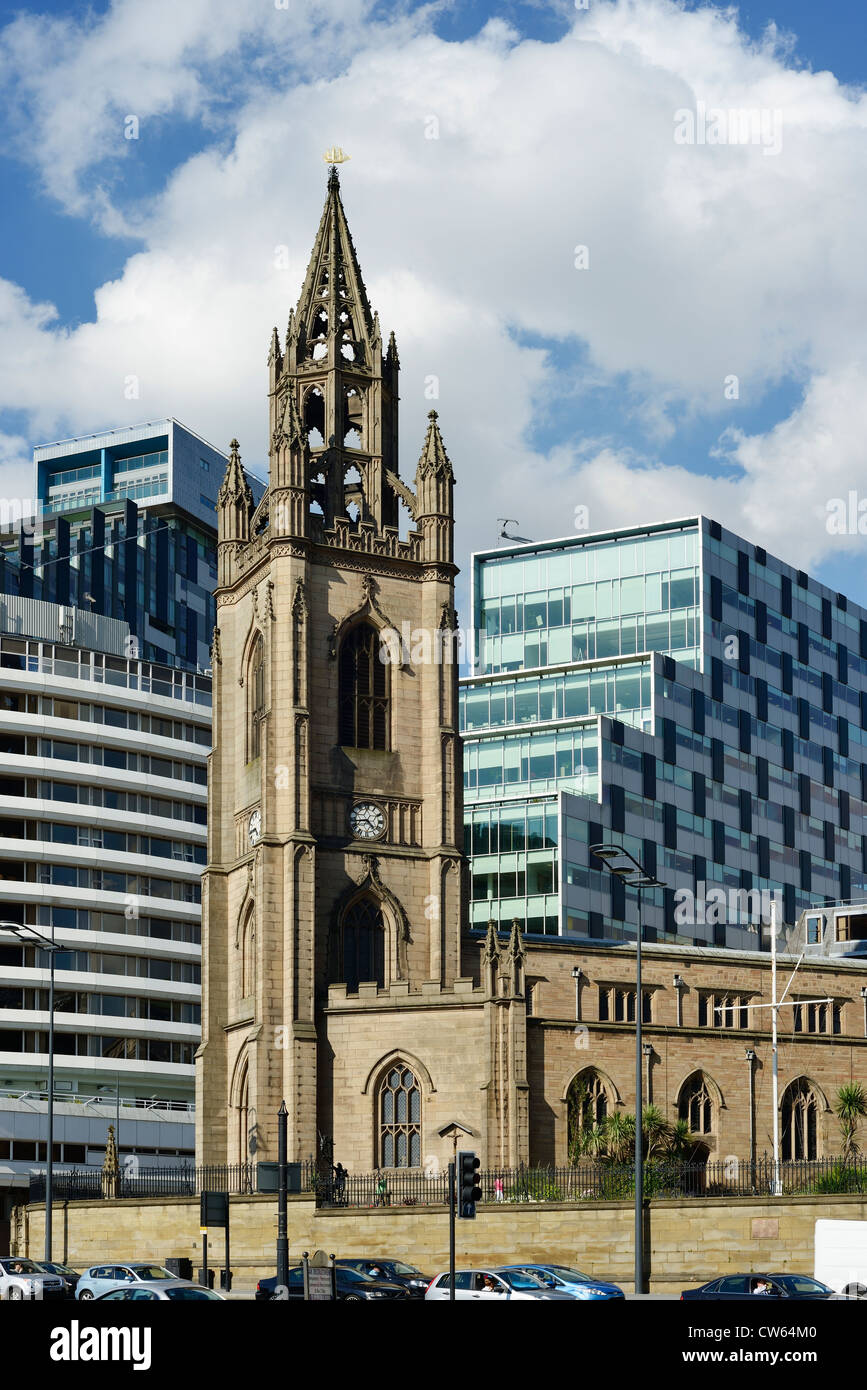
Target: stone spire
345, 390
234, 500
110, 1181
514, 959
434, 485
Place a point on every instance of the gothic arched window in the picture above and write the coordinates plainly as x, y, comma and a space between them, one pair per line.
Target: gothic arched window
695, 1105
363, 691
800, 1121
255, 699
243, 1117
248, 955
586, 1105
399, 1119
361, 945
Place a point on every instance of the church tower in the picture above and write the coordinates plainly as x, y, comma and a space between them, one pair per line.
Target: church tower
333, 901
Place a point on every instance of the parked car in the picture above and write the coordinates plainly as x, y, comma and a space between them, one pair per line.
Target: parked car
21, 1278
745, 1286
100, 1279
69, 1276
393, 1271
571, 1281
351, 1287
166, 1290
492, 1285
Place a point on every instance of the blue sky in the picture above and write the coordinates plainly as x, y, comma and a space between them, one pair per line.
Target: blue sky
556, 388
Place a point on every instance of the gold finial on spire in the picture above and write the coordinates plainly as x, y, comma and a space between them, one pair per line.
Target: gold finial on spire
336, 155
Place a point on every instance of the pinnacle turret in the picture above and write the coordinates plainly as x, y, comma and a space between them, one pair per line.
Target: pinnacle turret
234, 500
434, 458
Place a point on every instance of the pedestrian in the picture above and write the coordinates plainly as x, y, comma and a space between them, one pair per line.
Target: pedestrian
340, 1185
498, 1190
381, 1191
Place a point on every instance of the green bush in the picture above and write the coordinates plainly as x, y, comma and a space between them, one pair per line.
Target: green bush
841, 1179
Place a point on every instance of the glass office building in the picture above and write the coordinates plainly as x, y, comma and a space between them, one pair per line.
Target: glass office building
677, 690
126, 528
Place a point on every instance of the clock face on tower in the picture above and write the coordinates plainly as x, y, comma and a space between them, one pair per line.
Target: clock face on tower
367, 820
254, 827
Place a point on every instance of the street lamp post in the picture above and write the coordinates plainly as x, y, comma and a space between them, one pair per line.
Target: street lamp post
25, 933
577, 976
632, 873
751, 1060
282, 1236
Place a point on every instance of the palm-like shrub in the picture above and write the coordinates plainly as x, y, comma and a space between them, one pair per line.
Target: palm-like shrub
850, 1106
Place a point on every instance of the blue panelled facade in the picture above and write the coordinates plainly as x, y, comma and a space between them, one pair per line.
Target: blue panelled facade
126, 527
681, 692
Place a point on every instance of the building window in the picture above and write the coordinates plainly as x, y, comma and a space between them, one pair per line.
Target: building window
245, 1149
723, 1011
617, 1004
361, 947
363, 691
248, 956
256, 699
814, 930
695, 1105
205, 466
586, 1109
800, 1111
821, 1016
400, 1119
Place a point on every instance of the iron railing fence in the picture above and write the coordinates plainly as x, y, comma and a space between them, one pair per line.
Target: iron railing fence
602, 1180
238, 1179
588, 1180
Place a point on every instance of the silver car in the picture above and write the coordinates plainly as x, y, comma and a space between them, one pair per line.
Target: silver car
168, 1290
494, 1286
20, 1278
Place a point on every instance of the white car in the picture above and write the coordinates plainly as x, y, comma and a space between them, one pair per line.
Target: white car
20, 1278
168, 1290
493, 1286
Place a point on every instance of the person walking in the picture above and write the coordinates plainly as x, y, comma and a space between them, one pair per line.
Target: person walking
340, 1185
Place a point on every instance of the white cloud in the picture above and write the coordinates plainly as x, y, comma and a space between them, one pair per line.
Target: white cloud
704, 261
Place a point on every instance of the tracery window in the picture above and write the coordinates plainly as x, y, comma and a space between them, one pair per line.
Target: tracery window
399, 1119
363, 691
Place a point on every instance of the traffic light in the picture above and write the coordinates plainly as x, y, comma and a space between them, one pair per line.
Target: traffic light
469, 1190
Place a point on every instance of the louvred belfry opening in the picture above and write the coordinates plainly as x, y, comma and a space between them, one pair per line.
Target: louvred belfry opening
363, 690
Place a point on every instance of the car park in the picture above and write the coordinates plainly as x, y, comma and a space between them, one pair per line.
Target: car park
100, 1279
351, 1287
69, 1276
771, 1286
164, 1291
566, 1279
494, 1285
22, 1279
393, 1271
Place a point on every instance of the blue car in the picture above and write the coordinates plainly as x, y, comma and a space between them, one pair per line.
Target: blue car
100, 1279
571, 1281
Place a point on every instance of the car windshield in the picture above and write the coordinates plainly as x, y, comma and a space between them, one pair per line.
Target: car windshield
800, 1283
398, 1267
520, 1279
20, 1266
185, 1294
55, 1268
151, 1272
571, 1276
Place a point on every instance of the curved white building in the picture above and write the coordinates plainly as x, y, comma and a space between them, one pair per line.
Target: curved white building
103, 797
